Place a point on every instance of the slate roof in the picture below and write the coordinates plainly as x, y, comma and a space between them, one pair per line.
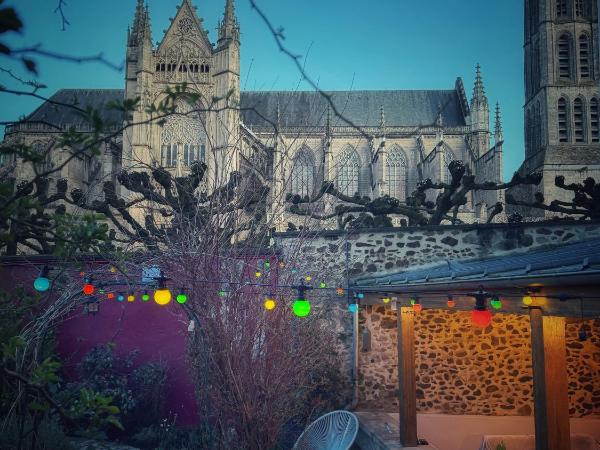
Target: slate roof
309, 108
298, 109
82, 98
581, 258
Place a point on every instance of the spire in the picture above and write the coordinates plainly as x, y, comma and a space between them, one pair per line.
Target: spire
382, 118
139, 20
328, 123
146, 31
229, 28
478, 89
498, 135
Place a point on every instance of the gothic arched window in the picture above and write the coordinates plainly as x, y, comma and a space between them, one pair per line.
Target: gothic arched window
347, 178
578, 120
594, 120
584, 56
581, 8
564, 56
303, 173
447, 158
563, 120
561, 8
183, 134
396, 170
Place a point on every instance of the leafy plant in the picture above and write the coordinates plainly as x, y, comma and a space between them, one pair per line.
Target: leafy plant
139, 393
32, 393
96, 412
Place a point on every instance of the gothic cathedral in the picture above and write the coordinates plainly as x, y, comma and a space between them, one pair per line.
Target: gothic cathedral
294, 140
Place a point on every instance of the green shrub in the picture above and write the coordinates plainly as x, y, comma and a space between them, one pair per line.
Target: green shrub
49, 435
138, 393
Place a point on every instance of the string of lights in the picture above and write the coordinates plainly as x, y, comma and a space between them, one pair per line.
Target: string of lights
481, 314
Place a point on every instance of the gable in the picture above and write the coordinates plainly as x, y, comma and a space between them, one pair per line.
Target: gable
185, 31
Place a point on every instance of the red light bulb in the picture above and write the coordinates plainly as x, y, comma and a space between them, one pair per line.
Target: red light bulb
417, 307
481, 318
88, 289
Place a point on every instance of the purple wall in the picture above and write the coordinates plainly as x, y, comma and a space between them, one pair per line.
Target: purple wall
159, 333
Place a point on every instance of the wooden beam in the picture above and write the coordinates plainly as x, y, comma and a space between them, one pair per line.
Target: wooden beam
407, 385
550, 381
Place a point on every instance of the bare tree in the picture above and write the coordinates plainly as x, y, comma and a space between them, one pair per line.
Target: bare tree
418, 210
584, 205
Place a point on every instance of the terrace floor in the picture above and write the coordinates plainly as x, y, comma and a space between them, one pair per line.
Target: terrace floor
379, 430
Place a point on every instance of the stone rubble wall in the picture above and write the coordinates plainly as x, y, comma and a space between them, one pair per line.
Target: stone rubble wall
465, 370
460, 370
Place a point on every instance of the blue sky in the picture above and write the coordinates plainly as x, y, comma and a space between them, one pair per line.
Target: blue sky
348, 44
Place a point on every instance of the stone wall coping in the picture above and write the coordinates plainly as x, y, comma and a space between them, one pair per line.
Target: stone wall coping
464, 227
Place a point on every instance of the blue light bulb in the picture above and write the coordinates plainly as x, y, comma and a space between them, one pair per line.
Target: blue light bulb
41, 284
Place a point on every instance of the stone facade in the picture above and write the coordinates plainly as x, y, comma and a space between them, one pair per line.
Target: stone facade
562, 74
465, 370
460, 370
292, 139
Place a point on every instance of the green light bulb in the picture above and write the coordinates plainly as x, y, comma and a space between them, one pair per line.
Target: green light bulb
496, 303
301, 307
322, 285
181, 298
145, 297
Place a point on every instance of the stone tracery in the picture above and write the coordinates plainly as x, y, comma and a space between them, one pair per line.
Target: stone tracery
183, 135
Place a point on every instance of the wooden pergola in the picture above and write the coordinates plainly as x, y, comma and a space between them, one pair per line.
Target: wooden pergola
560, 286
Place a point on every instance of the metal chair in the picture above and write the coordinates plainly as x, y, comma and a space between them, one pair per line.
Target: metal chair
333, 431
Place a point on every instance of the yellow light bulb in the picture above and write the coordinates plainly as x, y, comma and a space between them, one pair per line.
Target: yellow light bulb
131, 298
386, 300
270, 304
308, 278
162, 297
527, 300
258, 274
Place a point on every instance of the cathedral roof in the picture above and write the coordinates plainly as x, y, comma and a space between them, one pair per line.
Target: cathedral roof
363, 108
298, 109
57, 112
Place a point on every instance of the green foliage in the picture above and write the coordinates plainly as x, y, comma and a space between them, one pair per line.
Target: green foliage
501, 446
95, 412
138, 393
49, 434
79, 234
32, 394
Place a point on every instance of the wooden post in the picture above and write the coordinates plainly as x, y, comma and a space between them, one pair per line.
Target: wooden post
407, 387
550, 383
